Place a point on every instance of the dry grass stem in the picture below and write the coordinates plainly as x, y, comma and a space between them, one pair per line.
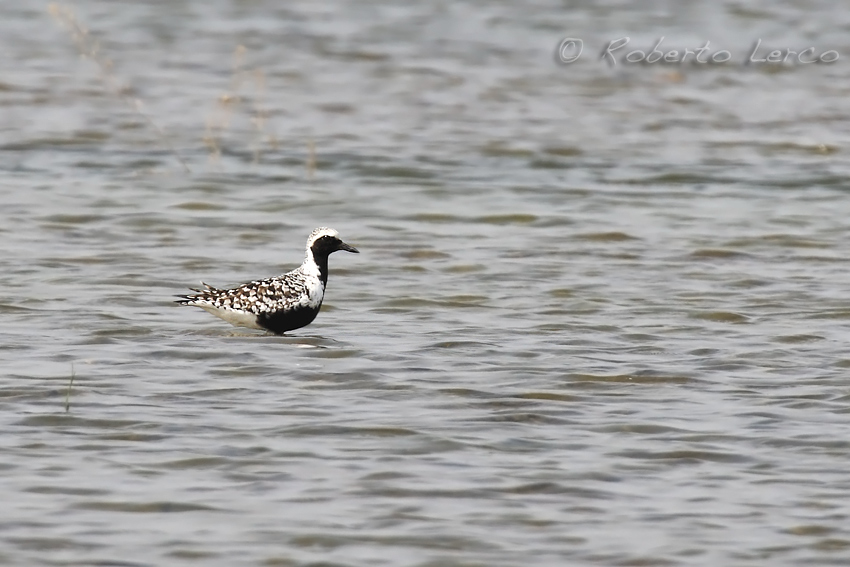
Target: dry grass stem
311, 159
229, 103
89, 48
68, 393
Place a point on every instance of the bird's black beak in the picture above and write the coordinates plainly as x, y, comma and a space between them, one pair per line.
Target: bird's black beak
347, 248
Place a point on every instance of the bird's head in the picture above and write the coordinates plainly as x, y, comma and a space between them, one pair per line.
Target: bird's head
325, 241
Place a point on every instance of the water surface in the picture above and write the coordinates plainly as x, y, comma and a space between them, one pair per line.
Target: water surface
599, 316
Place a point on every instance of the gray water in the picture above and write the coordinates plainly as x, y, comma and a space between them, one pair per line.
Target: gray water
599, 316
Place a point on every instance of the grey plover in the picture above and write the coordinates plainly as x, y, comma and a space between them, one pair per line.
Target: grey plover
281, 303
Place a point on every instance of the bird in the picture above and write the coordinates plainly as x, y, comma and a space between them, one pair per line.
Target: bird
278, 304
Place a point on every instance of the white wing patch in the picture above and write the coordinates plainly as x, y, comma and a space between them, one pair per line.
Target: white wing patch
237, 318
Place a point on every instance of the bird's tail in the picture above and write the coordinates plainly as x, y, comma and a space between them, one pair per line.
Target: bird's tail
199, 296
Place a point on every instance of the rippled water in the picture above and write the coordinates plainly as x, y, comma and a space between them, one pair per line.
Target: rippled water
599, 315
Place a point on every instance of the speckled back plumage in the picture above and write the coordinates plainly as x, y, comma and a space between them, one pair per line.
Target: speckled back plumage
279, 293
280, 303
